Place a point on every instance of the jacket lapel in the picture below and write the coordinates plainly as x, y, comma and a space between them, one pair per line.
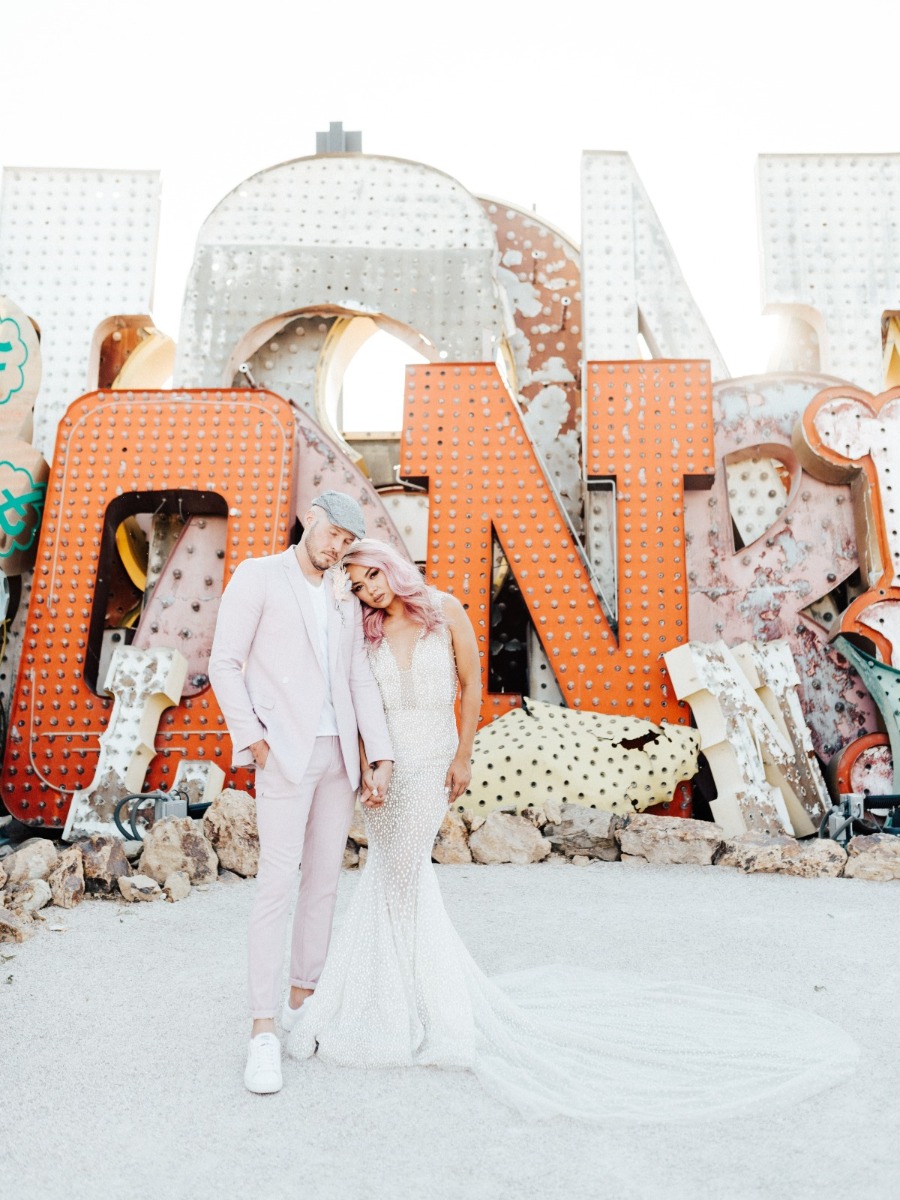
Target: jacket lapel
300, 589
336, 619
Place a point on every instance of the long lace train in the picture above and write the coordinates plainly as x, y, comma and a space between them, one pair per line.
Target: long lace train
399, 987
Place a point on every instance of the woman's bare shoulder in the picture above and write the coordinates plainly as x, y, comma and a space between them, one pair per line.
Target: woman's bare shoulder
450, 606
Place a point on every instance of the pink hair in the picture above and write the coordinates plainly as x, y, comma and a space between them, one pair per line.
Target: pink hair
405, 581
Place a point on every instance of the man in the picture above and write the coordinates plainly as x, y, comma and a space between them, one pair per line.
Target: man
290, 672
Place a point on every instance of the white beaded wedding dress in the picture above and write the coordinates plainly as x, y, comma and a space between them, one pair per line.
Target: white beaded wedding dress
400, 989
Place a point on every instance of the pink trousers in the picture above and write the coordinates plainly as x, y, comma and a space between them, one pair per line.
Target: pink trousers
306, 823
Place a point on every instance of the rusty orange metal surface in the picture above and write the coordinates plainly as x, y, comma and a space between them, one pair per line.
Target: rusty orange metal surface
549, 266
237, 447
845, 408
649, 425
865, 766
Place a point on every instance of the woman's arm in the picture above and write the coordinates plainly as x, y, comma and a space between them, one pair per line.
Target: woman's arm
370, 795
468, 668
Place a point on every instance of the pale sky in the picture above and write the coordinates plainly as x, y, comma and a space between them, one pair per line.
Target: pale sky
505, 97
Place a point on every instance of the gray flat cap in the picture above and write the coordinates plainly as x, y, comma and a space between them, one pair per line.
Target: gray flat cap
343, 511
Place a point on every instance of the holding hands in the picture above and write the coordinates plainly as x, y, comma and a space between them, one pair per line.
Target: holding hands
377, 776
375, 780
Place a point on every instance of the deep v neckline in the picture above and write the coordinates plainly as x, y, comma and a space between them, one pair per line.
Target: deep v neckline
403, 670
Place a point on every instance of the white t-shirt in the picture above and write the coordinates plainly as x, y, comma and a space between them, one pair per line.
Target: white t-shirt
327, 717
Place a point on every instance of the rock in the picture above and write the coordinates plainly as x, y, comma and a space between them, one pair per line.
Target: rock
133, 848
549, 812
14, 928
139, 887
451, 844
875, 857
230, 877
505, 838
587, 831
351, 855
177, 886
580, 860
669, 839
473, 820
26, 898
757, 851
104, 863
357, 829
3, 877
34, 859
552, 810
67, 878
230, 825
363, 855
175, 844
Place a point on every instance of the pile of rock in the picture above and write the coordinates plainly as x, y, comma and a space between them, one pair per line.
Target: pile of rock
582, 835
177, 854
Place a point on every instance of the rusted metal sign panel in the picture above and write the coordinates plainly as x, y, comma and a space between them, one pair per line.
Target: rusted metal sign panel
851, 436
346, 233
321, 464
540, 272
883, 681
790, 582
737, 735
772, 673
465, 437
618, 763
118, 453
181, 611
143, 683
865, 767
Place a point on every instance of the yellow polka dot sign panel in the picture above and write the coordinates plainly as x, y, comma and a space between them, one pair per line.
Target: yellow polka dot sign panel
542, 752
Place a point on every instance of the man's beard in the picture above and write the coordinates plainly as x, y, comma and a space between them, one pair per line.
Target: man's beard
318, 560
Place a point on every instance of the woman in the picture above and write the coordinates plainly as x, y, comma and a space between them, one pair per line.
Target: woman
399, 987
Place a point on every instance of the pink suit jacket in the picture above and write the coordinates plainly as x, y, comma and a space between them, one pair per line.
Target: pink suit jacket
265, 670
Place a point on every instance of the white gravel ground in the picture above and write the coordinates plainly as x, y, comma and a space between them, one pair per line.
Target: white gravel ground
122, 1045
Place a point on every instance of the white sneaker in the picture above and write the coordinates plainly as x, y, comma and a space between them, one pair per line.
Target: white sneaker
263, 1071
289, 1016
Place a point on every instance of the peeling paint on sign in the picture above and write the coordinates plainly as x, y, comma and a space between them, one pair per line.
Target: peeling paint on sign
770, 668
144, 684
736, 735
764, 591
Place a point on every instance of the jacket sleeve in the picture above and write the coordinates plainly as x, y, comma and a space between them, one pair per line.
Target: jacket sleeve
367, 703
238, 618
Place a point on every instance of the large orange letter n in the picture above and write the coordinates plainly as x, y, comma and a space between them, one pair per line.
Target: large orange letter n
648, 427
